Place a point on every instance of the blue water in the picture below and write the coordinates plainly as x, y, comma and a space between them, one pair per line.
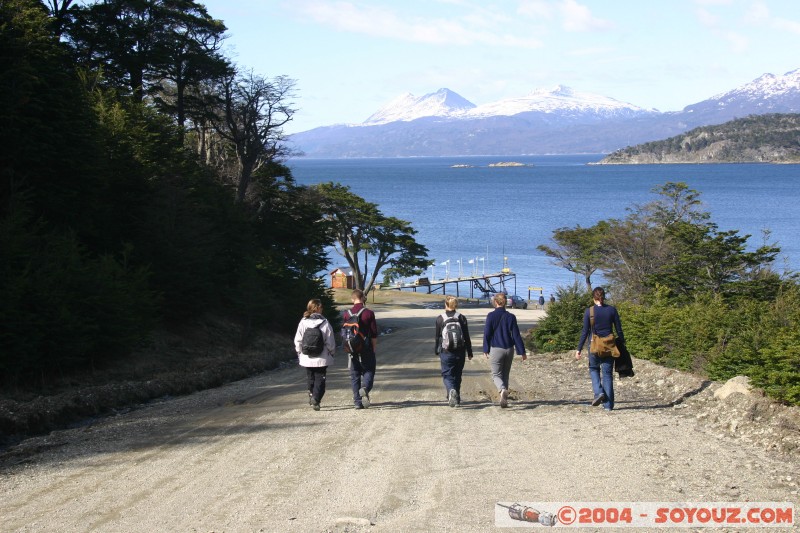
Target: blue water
463, 214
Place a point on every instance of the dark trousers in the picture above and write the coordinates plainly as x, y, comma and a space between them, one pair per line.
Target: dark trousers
362, 374
315, 376
452, 368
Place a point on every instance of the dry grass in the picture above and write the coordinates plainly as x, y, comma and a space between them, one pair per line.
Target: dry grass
172, 363
399, 298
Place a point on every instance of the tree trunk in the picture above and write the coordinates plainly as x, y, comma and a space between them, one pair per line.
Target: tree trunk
244, 182
180, 86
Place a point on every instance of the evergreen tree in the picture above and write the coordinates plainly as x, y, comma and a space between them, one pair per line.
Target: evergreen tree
369, 241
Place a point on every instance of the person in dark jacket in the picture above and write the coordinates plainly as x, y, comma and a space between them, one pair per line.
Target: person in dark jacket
453, 359
362, 367
601, 369
500, 336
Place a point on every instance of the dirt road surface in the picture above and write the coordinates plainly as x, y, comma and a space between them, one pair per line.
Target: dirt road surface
253, 456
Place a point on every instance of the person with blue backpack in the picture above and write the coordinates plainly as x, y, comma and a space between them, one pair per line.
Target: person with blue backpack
315, 346
453, 346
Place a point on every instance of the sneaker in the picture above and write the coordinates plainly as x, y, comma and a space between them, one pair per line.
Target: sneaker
452, 398
315, 405
359, 406
310, 399
504, 398
364, 397
598, 400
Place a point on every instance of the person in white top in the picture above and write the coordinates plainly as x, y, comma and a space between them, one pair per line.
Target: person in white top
315, 347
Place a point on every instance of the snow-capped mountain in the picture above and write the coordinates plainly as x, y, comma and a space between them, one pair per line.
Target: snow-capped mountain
406, 107
766, 94
768, 88
559, 99
447, 104
546, 121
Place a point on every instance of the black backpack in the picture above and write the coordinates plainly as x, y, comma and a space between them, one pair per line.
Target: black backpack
452, 334
353, 340
313, 340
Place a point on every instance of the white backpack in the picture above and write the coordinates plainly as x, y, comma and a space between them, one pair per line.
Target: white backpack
452, 334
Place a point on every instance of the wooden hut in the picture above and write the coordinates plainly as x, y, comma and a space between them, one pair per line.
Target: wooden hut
340, 279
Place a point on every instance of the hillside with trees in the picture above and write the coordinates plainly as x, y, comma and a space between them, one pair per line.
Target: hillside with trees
691, 295
143, 186
773, 138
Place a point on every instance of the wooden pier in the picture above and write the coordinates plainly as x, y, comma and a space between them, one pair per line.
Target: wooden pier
485, 284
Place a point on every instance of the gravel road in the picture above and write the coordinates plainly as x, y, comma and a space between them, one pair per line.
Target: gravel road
253, 456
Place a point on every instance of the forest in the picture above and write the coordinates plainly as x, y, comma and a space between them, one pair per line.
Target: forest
143, 184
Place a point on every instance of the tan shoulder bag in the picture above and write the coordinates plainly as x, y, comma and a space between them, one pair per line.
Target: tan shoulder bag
602, 346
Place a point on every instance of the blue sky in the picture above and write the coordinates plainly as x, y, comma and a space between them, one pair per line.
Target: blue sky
349, 58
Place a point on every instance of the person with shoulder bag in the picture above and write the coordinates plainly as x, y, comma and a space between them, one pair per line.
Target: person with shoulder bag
598, 322
453, 346
315, 346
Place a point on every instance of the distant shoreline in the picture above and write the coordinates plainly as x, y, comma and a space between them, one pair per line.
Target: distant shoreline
502, 164
632, 163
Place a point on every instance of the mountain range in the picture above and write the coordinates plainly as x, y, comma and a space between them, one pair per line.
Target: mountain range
545, 121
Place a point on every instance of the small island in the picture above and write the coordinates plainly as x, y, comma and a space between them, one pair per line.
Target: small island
462, 166
509, 164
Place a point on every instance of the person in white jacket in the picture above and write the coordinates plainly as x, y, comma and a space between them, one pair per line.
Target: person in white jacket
316, 365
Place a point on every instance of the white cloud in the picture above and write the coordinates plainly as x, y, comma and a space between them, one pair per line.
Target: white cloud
579, 18
738, 42
791, 26
758, 12
713, 2
604, 51
707, 18
470, 27
536, 9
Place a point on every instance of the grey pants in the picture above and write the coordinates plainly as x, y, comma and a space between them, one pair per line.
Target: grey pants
500, 360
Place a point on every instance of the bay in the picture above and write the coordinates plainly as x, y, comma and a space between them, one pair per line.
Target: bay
501, 214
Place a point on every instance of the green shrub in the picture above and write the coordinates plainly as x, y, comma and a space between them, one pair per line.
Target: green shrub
723, 339
768, 347
560, 330
749, 331
677, 336
778, 371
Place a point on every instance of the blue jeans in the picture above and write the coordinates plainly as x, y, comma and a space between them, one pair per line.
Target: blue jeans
362, 374
601, 370
452, 368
